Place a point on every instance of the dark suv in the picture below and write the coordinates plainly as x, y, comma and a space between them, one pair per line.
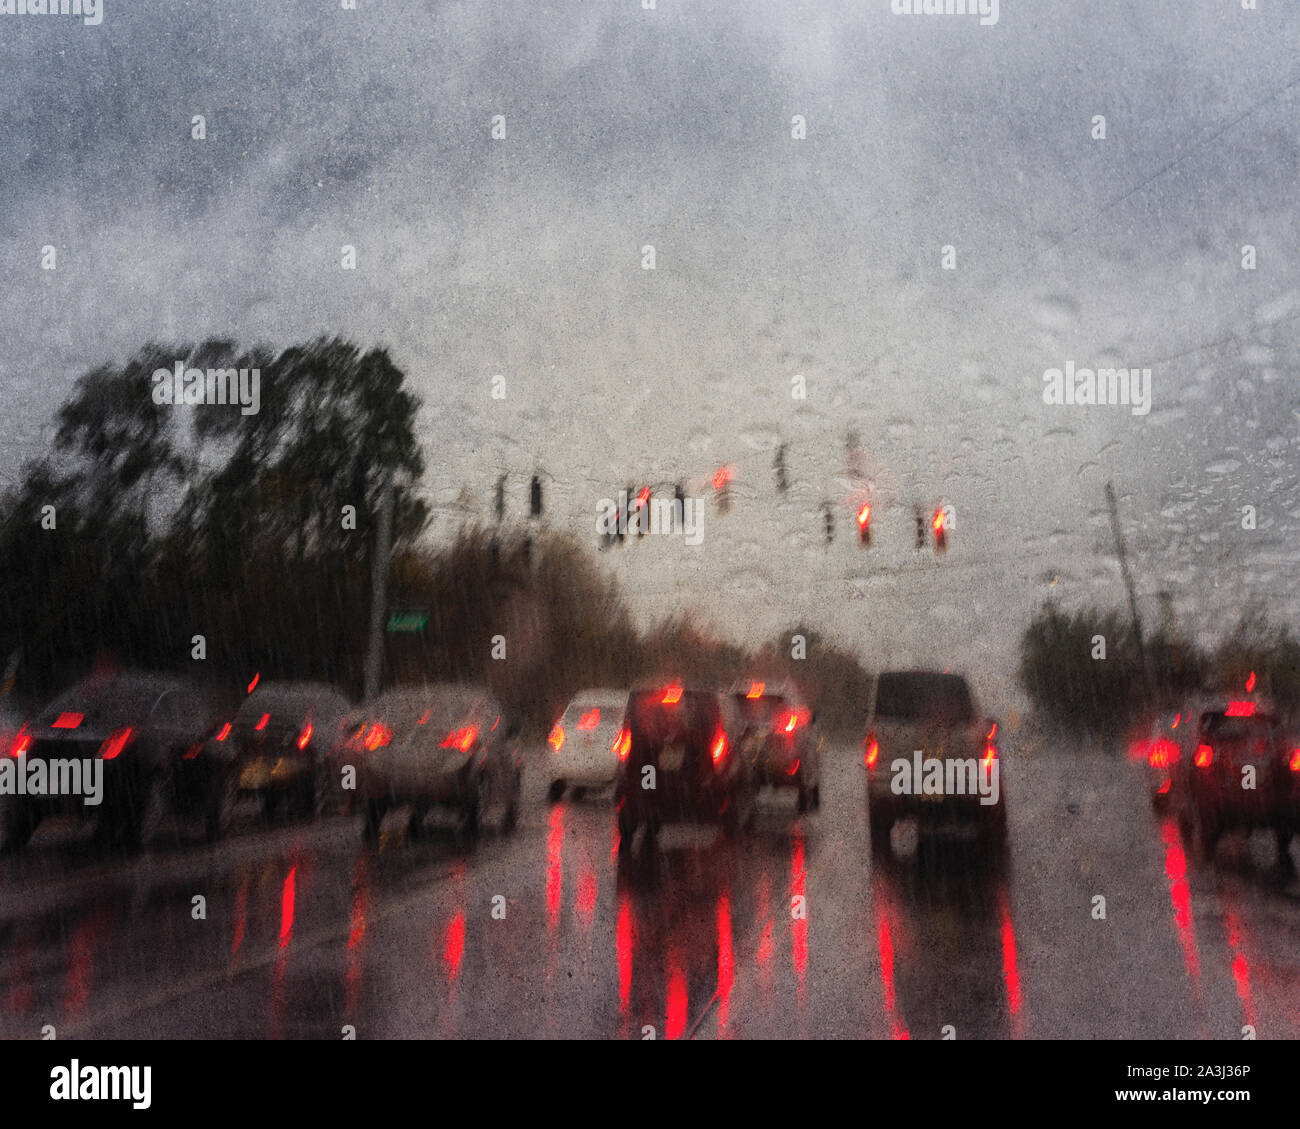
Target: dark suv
138, 728
678, 764
1237, 773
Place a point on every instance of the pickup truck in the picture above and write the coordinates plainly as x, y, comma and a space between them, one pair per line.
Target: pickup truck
932, 756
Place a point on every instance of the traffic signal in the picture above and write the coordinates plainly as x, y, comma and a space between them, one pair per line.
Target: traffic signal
535, 497
642, 510
722, 488
940, 523
864, 525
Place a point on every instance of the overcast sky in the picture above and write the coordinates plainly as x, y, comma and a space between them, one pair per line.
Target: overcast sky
775, 257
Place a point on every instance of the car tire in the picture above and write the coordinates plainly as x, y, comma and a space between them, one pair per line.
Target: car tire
476, 807
511, 818
555, 793
1207, 830
880, 825
19, 823
220, 808
140, 825
373, 812
626, 830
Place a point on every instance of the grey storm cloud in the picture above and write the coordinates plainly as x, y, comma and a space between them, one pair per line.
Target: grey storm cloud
776, 257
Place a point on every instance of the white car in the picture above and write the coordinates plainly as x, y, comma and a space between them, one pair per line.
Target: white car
582, 749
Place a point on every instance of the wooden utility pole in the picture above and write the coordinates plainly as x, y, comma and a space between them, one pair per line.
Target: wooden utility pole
1122, 553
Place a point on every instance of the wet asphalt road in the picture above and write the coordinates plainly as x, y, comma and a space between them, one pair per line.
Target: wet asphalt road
544, 934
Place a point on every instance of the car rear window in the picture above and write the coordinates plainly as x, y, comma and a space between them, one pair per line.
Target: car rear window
759, 711
1224, 728
924, 697
107, 704
653, 716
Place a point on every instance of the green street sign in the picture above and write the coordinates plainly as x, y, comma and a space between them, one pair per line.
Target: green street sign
407, 622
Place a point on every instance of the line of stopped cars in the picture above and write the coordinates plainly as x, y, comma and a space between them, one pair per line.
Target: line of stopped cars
182, 756
168, 754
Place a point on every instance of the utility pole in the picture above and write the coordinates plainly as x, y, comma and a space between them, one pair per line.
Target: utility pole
378, 584
1122, 553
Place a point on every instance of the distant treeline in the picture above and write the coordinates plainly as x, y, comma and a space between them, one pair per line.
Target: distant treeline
1083, 670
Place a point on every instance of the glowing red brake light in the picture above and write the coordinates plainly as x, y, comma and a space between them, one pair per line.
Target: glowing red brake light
262, 724
672, 695
1163, 753
1250, 683
719, 749
990, 754
223, 732
1204, 756
556, 739
589, 720
864, 514
623, 743
462, 739
68, 720
253, 685
304, 738
376, 736
21, 743
1240, 709
1294, 764
791, 722
871, 752
756, 689
115, 744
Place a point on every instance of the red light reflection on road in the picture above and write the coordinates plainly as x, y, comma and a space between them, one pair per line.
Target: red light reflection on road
678, 1000
287, 893
1180, 894
453, 947
726, 961
554, 867
584, 903
1240, 967
1010, 968
799, 944
624, 950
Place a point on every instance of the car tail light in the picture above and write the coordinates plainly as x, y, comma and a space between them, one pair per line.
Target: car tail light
990, 754
756, 690
115, 744
793, 768
376, 736
304, 738
672, 695
623, 743
871, 750
719, 750
1163, 753
1164, 787
790, 722
1204, 756
462, 739
589, 720
262, 724
256, 678
556, 739
1240, 709
21, 743
1294, 763
68, 720
223, 732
